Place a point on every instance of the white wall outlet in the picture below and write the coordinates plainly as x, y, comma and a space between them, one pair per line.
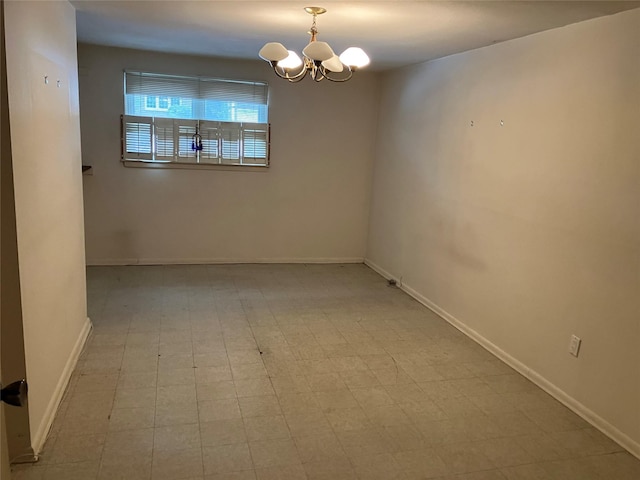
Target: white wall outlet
574, 345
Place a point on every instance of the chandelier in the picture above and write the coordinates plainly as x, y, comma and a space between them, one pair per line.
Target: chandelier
319, 61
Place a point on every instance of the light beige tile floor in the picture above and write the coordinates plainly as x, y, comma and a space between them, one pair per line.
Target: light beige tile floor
287, 372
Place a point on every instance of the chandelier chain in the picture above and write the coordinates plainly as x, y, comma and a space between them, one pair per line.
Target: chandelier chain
314, 29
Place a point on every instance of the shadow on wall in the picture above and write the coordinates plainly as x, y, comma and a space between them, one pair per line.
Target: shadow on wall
124, 242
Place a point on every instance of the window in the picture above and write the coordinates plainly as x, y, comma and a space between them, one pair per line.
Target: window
193, 120
156, 103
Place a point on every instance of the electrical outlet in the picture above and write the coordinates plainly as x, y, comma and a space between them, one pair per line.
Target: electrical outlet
574, 345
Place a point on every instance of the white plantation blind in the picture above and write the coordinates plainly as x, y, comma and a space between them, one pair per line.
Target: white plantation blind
210, 143
164, 139
171, 140
186, 130
163, 112
138, 133
255, 142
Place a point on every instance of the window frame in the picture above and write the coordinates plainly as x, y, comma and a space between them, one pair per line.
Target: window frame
157, 107
165, 145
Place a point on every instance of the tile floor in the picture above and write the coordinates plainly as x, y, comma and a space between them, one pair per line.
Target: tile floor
283, 372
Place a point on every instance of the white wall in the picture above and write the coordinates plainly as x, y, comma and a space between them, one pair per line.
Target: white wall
310, 205
526, 233
45, 136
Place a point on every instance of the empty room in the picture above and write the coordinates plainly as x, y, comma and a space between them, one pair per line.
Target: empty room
275, 240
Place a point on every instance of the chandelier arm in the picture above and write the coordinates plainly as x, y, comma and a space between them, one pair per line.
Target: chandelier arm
325, 74
292, 78
317, 72
282, 73
295, 79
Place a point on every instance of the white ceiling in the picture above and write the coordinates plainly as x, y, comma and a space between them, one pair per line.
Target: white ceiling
393, 33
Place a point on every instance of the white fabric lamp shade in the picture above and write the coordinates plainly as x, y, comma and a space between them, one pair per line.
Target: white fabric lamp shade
273, 52
333, 64
318, 51
291, 61
354, 57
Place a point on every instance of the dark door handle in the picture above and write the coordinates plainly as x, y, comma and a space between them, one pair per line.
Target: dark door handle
15, 394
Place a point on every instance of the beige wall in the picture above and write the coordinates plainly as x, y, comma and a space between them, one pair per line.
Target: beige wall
45, 136
526, 233
310, 205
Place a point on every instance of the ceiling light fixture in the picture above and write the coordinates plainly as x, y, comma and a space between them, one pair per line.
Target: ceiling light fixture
319, 61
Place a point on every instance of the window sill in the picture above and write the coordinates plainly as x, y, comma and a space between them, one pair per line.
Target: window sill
195, 166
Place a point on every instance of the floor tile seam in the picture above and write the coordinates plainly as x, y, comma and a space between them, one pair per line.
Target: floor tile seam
155, 406
261, 350
202, 447
333, 429
53, 462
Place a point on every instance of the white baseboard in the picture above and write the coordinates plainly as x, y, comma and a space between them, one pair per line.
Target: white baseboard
95, 262
587, 414
37, 442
